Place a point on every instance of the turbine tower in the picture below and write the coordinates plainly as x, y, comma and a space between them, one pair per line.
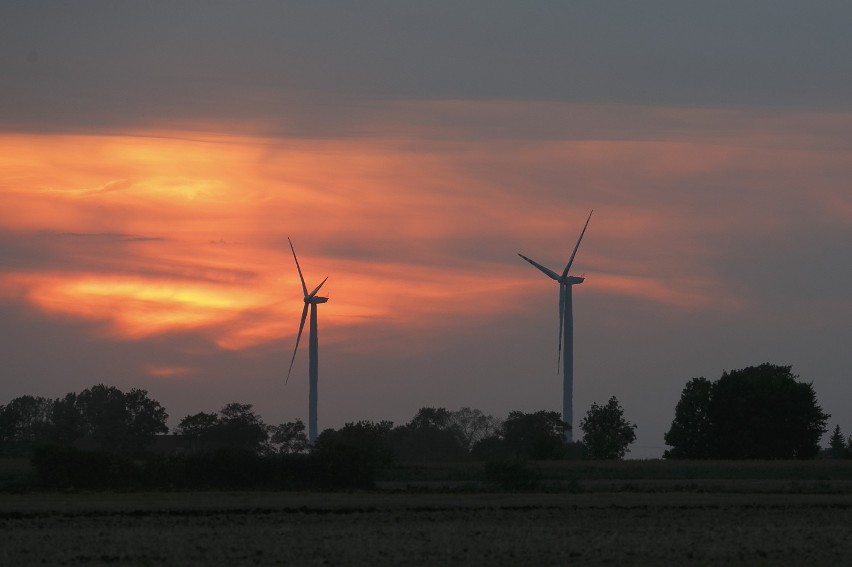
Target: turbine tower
312, 300
566, 331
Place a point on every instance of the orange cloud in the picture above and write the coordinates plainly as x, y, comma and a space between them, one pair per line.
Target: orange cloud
153, 233
169, 371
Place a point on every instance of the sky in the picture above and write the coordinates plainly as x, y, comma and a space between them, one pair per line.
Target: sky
155, 157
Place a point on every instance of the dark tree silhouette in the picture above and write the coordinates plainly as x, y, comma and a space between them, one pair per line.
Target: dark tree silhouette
350, 456
236, 426
199, 430
24, 424
429, 436
241, 427
606, 433
66, 420
120, 423
146, 418
689, 435
837, 445
431, 417
539, 435
759, 412
473, 426
289, 438
367, 437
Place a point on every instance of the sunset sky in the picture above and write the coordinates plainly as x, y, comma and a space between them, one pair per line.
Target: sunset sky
155, 157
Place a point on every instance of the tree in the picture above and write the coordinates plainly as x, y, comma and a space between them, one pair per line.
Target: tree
289, 438
763, 412
66, 421
104, 416
539, 435
120, 423
473, 426
431, 417
240, 427
24, 424
606, 433
146, 418
837, 444
199, 430
759, 412
350, 456
236, 426
366, 441
689, 435
429, 436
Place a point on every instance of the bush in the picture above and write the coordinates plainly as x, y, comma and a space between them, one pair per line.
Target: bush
514, 476
66, 468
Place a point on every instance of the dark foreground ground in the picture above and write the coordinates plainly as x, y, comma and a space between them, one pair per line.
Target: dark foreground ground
600, 528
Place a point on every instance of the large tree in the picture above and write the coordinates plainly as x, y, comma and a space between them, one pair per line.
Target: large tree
473, 425
120, 423
365, 442
606, 433
289, 438
24, 423
236, 426
758, 412
689, 435
66, 421
431, 435
539, 435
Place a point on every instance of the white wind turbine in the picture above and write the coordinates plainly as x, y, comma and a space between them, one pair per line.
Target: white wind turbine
312, 300
566, 331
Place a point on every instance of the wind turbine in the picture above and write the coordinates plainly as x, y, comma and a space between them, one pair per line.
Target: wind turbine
566, 331
312, 300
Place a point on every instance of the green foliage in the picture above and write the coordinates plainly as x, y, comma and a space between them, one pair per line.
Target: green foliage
606, 433
759, 412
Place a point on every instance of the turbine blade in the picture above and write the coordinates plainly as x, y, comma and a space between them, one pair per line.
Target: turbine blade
574, 253
316, 289
304, 287
562, 292
298, 338
550, 273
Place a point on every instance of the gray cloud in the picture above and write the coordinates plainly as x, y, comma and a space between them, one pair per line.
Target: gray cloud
318, 68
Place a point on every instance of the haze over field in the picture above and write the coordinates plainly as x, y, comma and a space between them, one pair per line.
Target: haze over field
154, 158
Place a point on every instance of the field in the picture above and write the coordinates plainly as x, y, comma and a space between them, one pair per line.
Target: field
631, 513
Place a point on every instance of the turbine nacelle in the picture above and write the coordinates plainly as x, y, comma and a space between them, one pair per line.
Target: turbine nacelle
316, 300
571, 280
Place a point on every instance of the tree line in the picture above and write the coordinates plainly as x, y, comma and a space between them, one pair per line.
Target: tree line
759, 412
132, 425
